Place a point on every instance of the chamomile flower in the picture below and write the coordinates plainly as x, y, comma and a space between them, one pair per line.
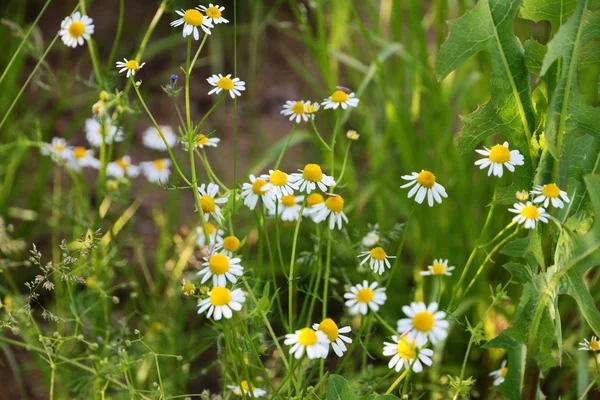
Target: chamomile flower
377, 258
365, 296
191, 19
500, 374
221, 301
370, 239
279, 183
157, 171
222, 269
529, 214
314, 342
499, 156
210, 202
439, 267
592, 345
98, 108
312, 200
333, 208
188, 288
75, 29
131, 66
153, 140
255, 190
332, 331
352, 135
288, 207
550, 193
424, 322
310, 177
122, 167
234, 86
405, 353
205, 141
424, 185
214, 234
228, 245
95, 131
522, 195
340, 98
214, 13
57, 149
299, 110
82, 157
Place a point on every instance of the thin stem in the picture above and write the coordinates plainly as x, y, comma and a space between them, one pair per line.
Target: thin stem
113, 51
188, 113
285, 146
397, 382
323, 142
400, 247
291, 274
326, 277
385, 324
191, 66
339, 179
92, 48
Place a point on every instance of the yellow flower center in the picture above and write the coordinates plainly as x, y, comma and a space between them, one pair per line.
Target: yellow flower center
132, 64
551, 190
257, 186
298, 108
339, 96
208, 204
499, 154
202, 140
225, 83
423, 321
80, 152
311, 109
329, 328
335, 203
122, 163
210, 228
193, 17
159, 164
245, 385
313, 173
189, 289
214, 12
530, 212
438, 269
365, 295
406, 350
307, 337
426, 179
278, 178
594, 345
97, 108
218, 264
314, 199
219, 296
288, 201
59, 147
503, 372
76, 29
378, 253
231, 243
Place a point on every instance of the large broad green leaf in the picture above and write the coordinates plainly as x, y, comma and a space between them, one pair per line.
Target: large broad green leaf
554, 11
513, 382
337, 389
488, 27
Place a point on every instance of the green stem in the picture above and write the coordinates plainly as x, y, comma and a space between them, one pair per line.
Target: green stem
397, 382
323, 142
113, 51
285, 146
339, 179
326, 277
385, 324
291, 274
400, 247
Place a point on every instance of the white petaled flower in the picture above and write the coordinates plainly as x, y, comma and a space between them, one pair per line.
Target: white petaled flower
528, 214
439, 267
591, 345
406, 354
153, 140
192, 19
424, 185
205, 141
312, 200
221, 301
98, 108
214, 13
233, 86
500, 374
157, 171
57, 149
377, 258
131, 66
222, 269
352, 135
332, 331
365, 296
215, 235
301, 110
314, 342
210, 202
424, 322
228, 245
497, 157
550, 193
310, 177
288, 207
246, 388
333, 208
75, 29
370, 239
81, 157
340, 98
279, 183
255, 190
122, 167
95, 131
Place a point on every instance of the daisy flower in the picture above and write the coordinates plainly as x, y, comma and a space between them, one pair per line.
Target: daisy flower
152, 139
233, 86
255, 190
312, 200
332, 331
188, 288
314, 342
57, 149
82, 157
378, 259
522, 195
333, 208
311, 177
340, 98
122, 167
405, 354
439, 267
75, 29
424, 185
370, 239
246, 387
288, 207
364, 296
352, 135
498, 156
98, 108
222, 269
209, 202
131, 66
424, 322
279, 183
301, 110
214, 13
95, 131
157, 171
191, 19
592, 345
215, 235
529, 215
221, 301
550, 193
499, 374
228, 245
203, 140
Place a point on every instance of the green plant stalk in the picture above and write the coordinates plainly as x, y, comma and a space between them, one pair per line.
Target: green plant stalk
327, 272
93, 53
339, 179
291, 274
311, 293
285, 146
400, 247
323, 142
242, 323
113, 50
229, 346
314, 292
397, 382
369, 323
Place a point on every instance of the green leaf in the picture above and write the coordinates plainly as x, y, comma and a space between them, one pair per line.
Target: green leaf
337, 389
511, 387
554, 11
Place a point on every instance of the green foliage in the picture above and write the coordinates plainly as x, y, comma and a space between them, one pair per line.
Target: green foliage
337, 389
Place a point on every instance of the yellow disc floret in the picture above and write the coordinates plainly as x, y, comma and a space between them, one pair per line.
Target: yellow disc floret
365, 295
314, 199
288, 200
76, 29
210, 228
245, 385
426, 179
499, 154
423, 321
257, 186
220, 296
80, 152
378, 254
132, 64
122, 163
213, 12
188, 288
231, 243
530, 212
335, 203
504, 372
218, 264
225, 83
339, 96
551, 191
406, 350
201, 140
159, 164
312, 173
438, 269
193, 17
278, 178
307, 337
329, 328
208, 204
298, 108
594, 345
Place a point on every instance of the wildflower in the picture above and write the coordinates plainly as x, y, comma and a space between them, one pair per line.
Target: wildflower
550, 193
191, 19
82, 157
214, 13
592, 345
233, 86
173, 79
122, 167
156, 171
370, 239
406, 354
424, 322
364, 296
111, 185
131, 66
95, 131
288, 207
312, 200
188, 288
279, 183
246, 388
153, 140
424, 185
332, 331
315, 343
352, 135
209, 202
499, 374
7, 303
57, 149
255, 190
333, 208
75, 29
311, 177
340, 98
299, 110
228, 245
522, 195
215, 235
378, 259
498, 156
202, 140
221, 301
98, 108
104, 95
222, 269
528, 214
439, 267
